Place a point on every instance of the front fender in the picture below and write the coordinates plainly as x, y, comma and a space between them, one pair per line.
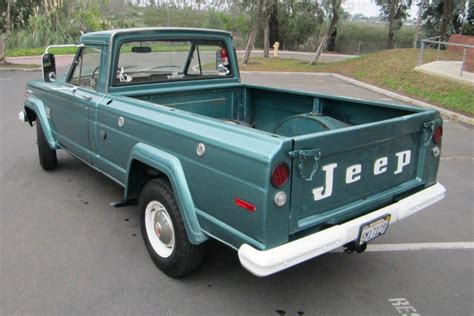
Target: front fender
36, 105
171, 167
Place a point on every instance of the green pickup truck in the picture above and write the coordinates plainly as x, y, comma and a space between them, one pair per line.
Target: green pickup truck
281, 176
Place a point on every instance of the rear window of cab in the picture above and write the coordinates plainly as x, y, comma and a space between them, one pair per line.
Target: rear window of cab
144, 62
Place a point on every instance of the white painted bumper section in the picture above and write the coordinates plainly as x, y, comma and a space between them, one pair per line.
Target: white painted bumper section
266, 262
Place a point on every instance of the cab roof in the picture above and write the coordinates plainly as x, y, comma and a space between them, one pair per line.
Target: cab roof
105, 37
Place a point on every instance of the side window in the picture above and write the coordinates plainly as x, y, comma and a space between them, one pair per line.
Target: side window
86, 69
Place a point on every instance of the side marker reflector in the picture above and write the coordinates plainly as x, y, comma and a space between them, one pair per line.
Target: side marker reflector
245, 205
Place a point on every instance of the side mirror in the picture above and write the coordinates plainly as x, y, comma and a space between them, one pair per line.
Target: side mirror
49, 68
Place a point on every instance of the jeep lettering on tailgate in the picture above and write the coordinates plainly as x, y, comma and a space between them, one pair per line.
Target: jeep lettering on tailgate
353, 173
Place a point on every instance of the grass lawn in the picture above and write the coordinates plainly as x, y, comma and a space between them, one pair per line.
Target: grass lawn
20, 52
392, 70
38, 51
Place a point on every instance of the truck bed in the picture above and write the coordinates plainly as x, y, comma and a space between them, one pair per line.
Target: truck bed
276, 111
326, 131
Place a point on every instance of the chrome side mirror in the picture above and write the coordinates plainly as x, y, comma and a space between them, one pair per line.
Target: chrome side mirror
49, 67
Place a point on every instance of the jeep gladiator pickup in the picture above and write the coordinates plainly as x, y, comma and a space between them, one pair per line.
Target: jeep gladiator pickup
281, 176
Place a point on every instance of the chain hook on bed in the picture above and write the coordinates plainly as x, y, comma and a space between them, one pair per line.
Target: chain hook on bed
428, 130
304, 155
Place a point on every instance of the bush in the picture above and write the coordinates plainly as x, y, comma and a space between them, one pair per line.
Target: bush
42, 31
361, 38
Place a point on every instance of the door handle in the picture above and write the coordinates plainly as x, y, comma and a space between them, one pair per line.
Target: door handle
87, 98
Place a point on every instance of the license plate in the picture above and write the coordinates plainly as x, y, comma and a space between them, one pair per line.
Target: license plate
373, 229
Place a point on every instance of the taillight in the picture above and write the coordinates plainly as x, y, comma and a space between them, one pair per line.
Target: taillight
224, 57
438, 135
280, 175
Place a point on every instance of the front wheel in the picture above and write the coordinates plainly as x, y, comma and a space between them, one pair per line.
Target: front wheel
164, 232
47, 156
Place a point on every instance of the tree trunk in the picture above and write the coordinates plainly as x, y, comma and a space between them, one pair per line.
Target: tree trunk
273, 22
250, 43
2, 48
4, 37
332, 41
335, 17
391, 18
253, 32
418, 23
266, 38
446, 19
319, 51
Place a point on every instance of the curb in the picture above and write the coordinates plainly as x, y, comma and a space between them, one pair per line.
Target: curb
20, 69
241, 51
445, 113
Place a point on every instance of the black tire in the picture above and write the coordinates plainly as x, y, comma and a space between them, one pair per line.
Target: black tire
185, 257
47, 156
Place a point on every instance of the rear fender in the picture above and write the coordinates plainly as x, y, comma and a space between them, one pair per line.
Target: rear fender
35, 105
170, 166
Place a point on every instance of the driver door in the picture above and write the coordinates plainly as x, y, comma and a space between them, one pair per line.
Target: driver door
78, 98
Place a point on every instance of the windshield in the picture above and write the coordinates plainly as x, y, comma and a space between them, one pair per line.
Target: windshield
157, 61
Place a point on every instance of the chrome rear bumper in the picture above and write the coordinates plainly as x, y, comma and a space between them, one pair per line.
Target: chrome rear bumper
266, 262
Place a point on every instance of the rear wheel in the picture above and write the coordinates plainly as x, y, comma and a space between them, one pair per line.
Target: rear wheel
47, 156
164, 232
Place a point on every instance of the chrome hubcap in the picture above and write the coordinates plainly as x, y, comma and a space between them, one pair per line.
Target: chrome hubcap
163, 227
159, 229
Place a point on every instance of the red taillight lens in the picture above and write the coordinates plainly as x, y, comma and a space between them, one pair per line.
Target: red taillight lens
438, 135
280, 175
224, 57
245, 205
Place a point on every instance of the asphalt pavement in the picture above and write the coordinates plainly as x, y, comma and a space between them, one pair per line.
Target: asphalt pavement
65, 250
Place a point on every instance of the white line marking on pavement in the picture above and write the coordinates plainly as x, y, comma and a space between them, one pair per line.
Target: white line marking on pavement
420, 246
457, 158
6, 78
463, 245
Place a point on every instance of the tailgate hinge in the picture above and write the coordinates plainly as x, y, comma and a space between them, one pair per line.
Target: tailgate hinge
428, 130
303, 155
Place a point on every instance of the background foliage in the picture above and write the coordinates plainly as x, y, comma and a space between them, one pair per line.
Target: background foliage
297, 25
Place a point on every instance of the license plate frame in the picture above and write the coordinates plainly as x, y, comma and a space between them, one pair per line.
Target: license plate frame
373, 229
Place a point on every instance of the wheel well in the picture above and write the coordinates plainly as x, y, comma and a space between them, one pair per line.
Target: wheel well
139, 174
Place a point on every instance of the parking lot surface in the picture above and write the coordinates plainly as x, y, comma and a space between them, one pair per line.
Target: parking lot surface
65, 250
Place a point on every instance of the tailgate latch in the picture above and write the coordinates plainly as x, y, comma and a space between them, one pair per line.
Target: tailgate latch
303, 155
428, 130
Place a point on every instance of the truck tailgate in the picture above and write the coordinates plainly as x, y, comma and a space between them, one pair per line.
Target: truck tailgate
340, 174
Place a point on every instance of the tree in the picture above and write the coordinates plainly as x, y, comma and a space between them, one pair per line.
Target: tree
6, 30
394, 11
420, 5
256, 23
444, 17
468, 20
335, 6
269, 14
14, 14
299, 23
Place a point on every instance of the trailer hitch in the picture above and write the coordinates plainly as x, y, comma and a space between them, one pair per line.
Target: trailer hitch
303, 155
355, 247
